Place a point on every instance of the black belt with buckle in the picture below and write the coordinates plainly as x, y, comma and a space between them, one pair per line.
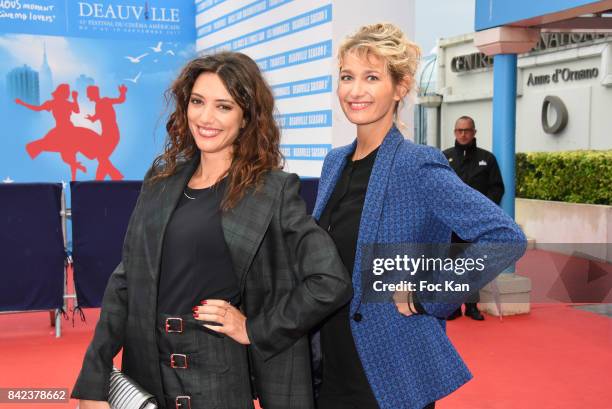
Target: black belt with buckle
174, 325
183, 402
178, 361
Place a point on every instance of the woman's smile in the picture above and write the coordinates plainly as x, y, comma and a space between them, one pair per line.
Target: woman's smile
208, 132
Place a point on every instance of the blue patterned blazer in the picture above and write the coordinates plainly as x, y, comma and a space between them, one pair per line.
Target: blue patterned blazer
413, 196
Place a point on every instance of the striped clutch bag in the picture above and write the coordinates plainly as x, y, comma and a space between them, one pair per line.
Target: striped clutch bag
127, 394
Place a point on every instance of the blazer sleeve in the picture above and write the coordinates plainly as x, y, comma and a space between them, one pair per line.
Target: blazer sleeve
94, 378
323, 284
473, 217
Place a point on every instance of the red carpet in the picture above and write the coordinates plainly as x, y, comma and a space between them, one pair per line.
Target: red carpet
556, 357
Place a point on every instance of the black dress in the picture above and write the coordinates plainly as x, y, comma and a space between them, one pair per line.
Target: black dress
344, 384
200, 368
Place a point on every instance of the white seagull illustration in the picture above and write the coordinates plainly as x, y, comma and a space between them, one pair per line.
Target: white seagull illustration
170, 52
136, 60
157, 49
8, 180
135, 79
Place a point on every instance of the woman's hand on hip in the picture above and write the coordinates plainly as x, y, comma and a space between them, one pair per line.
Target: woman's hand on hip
231, 321
404, 303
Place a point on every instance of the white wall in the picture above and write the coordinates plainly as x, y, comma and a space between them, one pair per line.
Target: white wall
567, 227
463, 93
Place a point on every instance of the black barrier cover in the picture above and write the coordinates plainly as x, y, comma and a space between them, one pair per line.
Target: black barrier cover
100, 215
308, 191
31, 247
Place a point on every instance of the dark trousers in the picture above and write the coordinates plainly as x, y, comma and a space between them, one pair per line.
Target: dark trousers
331, 403
474, 298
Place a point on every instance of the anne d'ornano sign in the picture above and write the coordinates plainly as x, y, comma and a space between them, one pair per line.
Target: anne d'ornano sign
562, 75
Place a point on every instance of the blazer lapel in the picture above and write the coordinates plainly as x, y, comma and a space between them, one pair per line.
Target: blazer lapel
166, 195
245, 225
327, 183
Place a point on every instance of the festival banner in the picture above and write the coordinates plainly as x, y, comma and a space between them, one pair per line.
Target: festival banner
291, 41
83, 85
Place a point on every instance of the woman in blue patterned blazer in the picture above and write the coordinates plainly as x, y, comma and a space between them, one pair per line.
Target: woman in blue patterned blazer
383, 189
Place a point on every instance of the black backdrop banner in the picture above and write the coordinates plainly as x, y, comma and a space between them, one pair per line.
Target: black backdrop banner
32, 247
100, 215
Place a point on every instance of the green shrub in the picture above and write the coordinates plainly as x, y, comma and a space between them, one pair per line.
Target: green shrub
573, 176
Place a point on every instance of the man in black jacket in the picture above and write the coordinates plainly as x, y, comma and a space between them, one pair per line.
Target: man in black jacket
478, 169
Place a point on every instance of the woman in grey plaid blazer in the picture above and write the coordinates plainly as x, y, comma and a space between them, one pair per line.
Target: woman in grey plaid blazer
287, 271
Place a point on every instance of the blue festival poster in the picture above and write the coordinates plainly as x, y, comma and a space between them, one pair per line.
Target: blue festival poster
82, 85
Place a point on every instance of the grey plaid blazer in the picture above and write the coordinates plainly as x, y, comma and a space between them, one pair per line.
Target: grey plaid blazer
290, 274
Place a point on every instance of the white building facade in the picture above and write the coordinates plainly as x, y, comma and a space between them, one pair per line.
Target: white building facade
564, 93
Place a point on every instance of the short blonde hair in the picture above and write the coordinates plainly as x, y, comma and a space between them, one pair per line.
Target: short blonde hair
386, 41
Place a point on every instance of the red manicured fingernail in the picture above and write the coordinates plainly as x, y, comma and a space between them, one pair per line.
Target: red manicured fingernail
194, 309
195, 315
203, 302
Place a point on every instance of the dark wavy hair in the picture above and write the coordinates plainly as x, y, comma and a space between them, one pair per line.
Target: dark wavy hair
257, 147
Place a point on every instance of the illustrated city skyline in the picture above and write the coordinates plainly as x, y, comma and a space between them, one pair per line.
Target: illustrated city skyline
35, 86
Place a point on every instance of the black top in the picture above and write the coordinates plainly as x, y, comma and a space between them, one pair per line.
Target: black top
477, 168
344, 379
196, 263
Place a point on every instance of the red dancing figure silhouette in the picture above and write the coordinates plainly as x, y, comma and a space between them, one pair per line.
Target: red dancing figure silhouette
65, 138
109, 138
68, 139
